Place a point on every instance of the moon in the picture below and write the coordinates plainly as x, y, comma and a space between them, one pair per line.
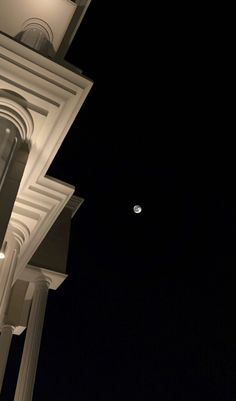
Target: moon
137, 209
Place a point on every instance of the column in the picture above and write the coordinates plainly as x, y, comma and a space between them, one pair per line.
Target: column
29, 361
5, 343
7, 271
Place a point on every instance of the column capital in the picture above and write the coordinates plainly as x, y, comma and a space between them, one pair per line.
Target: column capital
5, 326
31, 273
42, 281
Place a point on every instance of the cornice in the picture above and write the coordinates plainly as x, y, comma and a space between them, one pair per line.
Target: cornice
53, 97
74, 204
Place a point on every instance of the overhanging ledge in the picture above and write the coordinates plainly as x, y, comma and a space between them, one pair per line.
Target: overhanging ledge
31, 273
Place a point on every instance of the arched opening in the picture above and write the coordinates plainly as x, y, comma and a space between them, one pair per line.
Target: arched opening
38, 35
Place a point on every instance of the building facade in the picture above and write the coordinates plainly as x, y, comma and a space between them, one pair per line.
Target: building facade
40, 96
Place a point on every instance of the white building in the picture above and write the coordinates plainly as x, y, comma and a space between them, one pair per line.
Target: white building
40, 96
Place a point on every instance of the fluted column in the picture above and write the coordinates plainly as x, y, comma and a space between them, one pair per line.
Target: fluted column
5, 343
7, 271
29, 361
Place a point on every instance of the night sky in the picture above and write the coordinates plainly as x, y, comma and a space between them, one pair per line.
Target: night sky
147, 312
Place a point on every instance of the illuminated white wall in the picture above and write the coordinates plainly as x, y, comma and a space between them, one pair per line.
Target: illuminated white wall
56, 13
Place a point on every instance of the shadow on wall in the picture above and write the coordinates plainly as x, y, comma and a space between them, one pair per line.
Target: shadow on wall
36, 40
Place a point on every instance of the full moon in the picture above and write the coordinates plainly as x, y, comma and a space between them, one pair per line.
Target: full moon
137, 209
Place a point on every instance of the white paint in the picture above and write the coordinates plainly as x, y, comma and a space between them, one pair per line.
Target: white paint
5, 343
55, 13
29, 361
55, 97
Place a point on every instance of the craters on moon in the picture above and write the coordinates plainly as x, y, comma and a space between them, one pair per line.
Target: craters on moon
137, 209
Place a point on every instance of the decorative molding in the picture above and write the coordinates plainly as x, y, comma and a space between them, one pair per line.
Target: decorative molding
20, 231
55, 13
18, 115
59, 92
40, 24
74, 204
7, 326
34, 273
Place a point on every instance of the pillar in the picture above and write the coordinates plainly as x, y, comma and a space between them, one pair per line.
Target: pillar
5, 343
7, 271
29, 361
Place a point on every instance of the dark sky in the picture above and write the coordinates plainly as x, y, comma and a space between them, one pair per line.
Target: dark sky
145, 312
